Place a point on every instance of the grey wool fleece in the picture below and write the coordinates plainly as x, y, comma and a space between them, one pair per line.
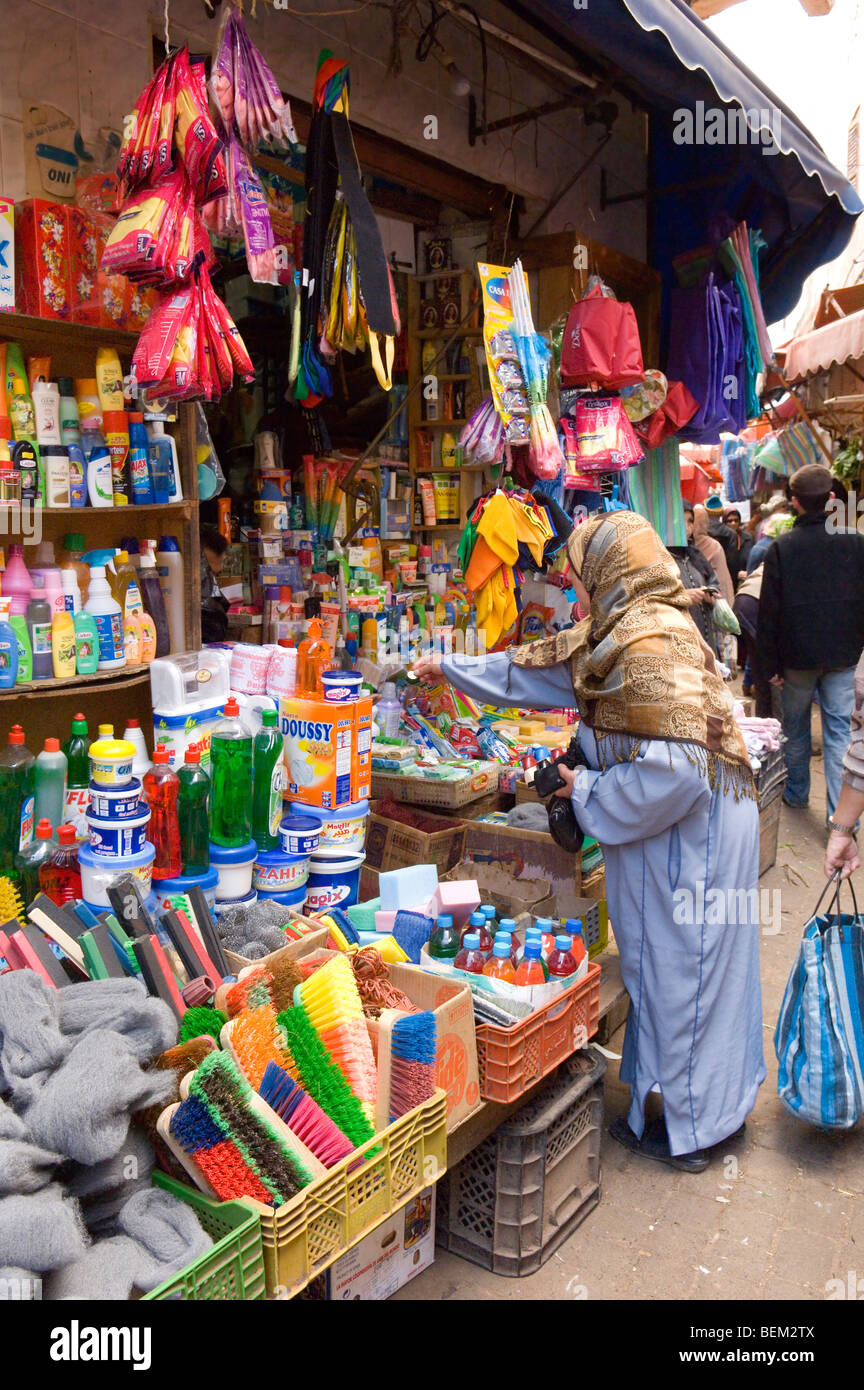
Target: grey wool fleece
121, 1006
31, 1043
41, 1230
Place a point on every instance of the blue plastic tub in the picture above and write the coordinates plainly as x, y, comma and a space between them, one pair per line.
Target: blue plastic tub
275, 872
116, 803
167, 887
299, 834
234, 867
295, 899
341, 829
334, 881
112, 838
228, 904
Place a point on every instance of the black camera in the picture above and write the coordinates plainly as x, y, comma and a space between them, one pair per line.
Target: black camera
563, 825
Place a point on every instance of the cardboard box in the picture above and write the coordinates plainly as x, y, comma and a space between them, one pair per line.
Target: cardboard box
328, 750
511, 893
532, 854
392, 845
86, 244
361, 774
450, 1001
391, 1255
7, 255
42, 260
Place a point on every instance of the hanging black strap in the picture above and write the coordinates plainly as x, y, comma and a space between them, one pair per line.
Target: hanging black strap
371, 260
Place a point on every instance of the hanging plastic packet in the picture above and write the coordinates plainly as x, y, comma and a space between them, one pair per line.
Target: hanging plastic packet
482, 439
505, 372
211, 479
604, 438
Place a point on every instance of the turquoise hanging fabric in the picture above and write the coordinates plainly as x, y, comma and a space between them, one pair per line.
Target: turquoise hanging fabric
654, 488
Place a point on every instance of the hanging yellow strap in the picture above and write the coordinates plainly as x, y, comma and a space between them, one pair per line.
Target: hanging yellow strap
382, 372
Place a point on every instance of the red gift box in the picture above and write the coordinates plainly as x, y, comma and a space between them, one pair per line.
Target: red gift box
86, 243
42, 259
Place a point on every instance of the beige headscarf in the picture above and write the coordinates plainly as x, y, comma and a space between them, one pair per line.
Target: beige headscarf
713, 552
638, 664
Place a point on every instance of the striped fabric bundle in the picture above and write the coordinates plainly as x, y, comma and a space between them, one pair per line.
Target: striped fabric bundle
654, 489
819, 1039
735, 465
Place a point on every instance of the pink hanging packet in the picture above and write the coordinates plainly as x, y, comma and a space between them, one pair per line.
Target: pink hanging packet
153, 351
239, 356
222, 73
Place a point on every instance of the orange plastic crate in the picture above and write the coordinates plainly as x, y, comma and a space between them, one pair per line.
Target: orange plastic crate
512, 1059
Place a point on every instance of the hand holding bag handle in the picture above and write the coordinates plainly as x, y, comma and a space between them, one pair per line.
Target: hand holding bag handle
836, 880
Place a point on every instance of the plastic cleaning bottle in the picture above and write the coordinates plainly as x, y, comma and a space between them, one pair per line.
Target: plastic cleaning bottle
52, 586
169, 566
16, 798
8, 648
147, 630
116, 428
530, 971
39, 632
444, 941
477, 925
230, 780
63, 645
134, 734
29, 860
192, 814
17, 584
123, 583
163, 445
161, 788
561, 961
108, 618
153, 598
49, 782
574, 929
470, 957
499, 965
267, 782
72, 558
139, 461
60, 876
86, 644
76, 748
313, 659
71, 592
18, 625
388, 711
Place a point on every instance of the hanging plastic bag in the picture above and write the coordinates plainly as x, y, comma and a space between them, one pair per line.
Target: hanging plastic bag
723, 617
211, 479
601, 345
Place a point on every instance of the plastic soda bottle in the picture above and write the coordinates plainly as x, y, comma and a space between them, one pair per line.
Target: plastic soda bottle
561, 962
267, 782
16, 798
477, 924
471, 957
548, 928
577, 945
29, 860
59, 876
50, 783
506, 936
534, 934
231, 780
529, 971
192, 817
499, 966
313, 658
444, 941
161, 788
491, 915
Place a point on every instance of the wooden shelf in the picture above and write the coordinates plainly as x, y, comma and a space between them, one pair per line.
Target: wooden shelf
179, 509
83, 685
440, 424
441, 526
21, 327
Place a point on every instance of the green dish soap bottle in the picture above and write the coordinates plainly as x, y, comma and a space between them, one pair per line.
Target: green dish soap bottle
231, 780
77, 776
267, 783
17, 797
192, 814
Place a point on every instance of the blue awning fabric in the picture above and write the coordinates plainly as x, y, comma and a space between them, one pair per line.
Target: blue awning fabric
670, 61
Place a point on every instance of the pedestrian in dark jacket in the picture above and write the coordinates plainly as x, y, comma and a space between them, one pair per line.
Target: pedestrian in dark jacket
719, 531
698, 579
743, 541
811, 629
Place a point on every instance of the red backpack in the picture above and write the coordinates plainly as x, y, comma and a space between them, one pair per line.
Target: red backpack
601, 345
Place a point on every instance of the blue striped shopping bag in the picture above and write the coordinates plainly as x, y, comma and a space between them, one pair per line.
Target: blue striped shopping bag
819, 1039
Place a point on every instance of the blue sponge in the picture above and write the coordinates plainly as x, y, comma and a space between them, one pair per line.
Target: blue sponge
412, 930
410, 887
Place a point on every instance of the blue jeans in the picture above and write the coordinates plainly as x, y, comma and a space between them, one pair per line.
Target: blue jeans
836, 691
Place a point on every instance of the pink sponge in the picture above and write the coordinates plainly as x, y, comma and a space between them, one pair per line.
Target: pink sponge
385, 921
459, 898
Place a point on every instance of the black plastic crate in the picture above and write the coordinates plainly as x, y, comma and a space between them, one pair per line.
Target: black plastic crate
515, 1198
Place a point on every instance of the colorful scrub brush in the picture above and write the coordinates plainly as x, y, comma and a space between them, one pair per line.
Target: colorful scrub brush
333, 1006
253, 990
406, 1063
202, 1022
231, 1143
322, 1079
303, 1116
255, 1039
10, 902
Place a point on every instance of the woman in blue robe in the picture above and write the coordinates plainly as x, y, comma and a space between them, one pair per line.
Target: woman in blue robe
668, 793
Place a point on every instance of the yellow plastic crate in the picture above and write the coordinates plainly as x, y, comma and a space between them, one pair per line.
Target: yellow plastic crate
307, 1234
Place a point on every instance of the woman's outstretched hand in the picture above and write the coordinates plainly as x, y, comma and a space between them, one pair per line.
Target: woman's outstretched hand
569, 777
427, 667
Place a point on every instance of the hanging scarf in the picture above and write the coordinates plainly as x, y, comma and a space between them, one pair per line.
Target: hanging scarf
640, 670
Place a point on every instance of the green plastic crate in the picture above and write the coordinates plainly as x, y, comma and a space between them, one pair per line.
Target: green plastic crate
233, 1268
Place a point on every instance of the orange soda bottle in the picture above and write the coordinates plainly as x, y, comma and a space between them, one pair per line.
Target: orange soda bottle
530, 969
499, 966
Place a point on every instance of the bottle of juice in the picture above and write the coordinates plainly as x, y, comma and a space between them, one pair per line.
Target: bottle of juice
60, 876
192, 814
50, 782
76, 749
313, 658
561, 962
534, 934
230, 780
16, 798
505, 936
29, 860
477, 923
470, 957
499, 965
267, 782
529, 971
161, 787
574, 928
444, 941
548, 929
491, 917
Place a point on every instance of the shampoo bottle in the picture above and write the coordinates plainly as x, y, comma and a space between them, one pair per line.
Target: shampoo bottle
169, 565
8, 648
63, 644
39, 632
99, 484
86, 644
163, 446
108, 617
109, 379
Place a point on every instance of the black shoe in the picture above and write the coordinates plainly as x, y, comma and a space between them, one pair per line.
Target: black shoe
796, 805
655, 1144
